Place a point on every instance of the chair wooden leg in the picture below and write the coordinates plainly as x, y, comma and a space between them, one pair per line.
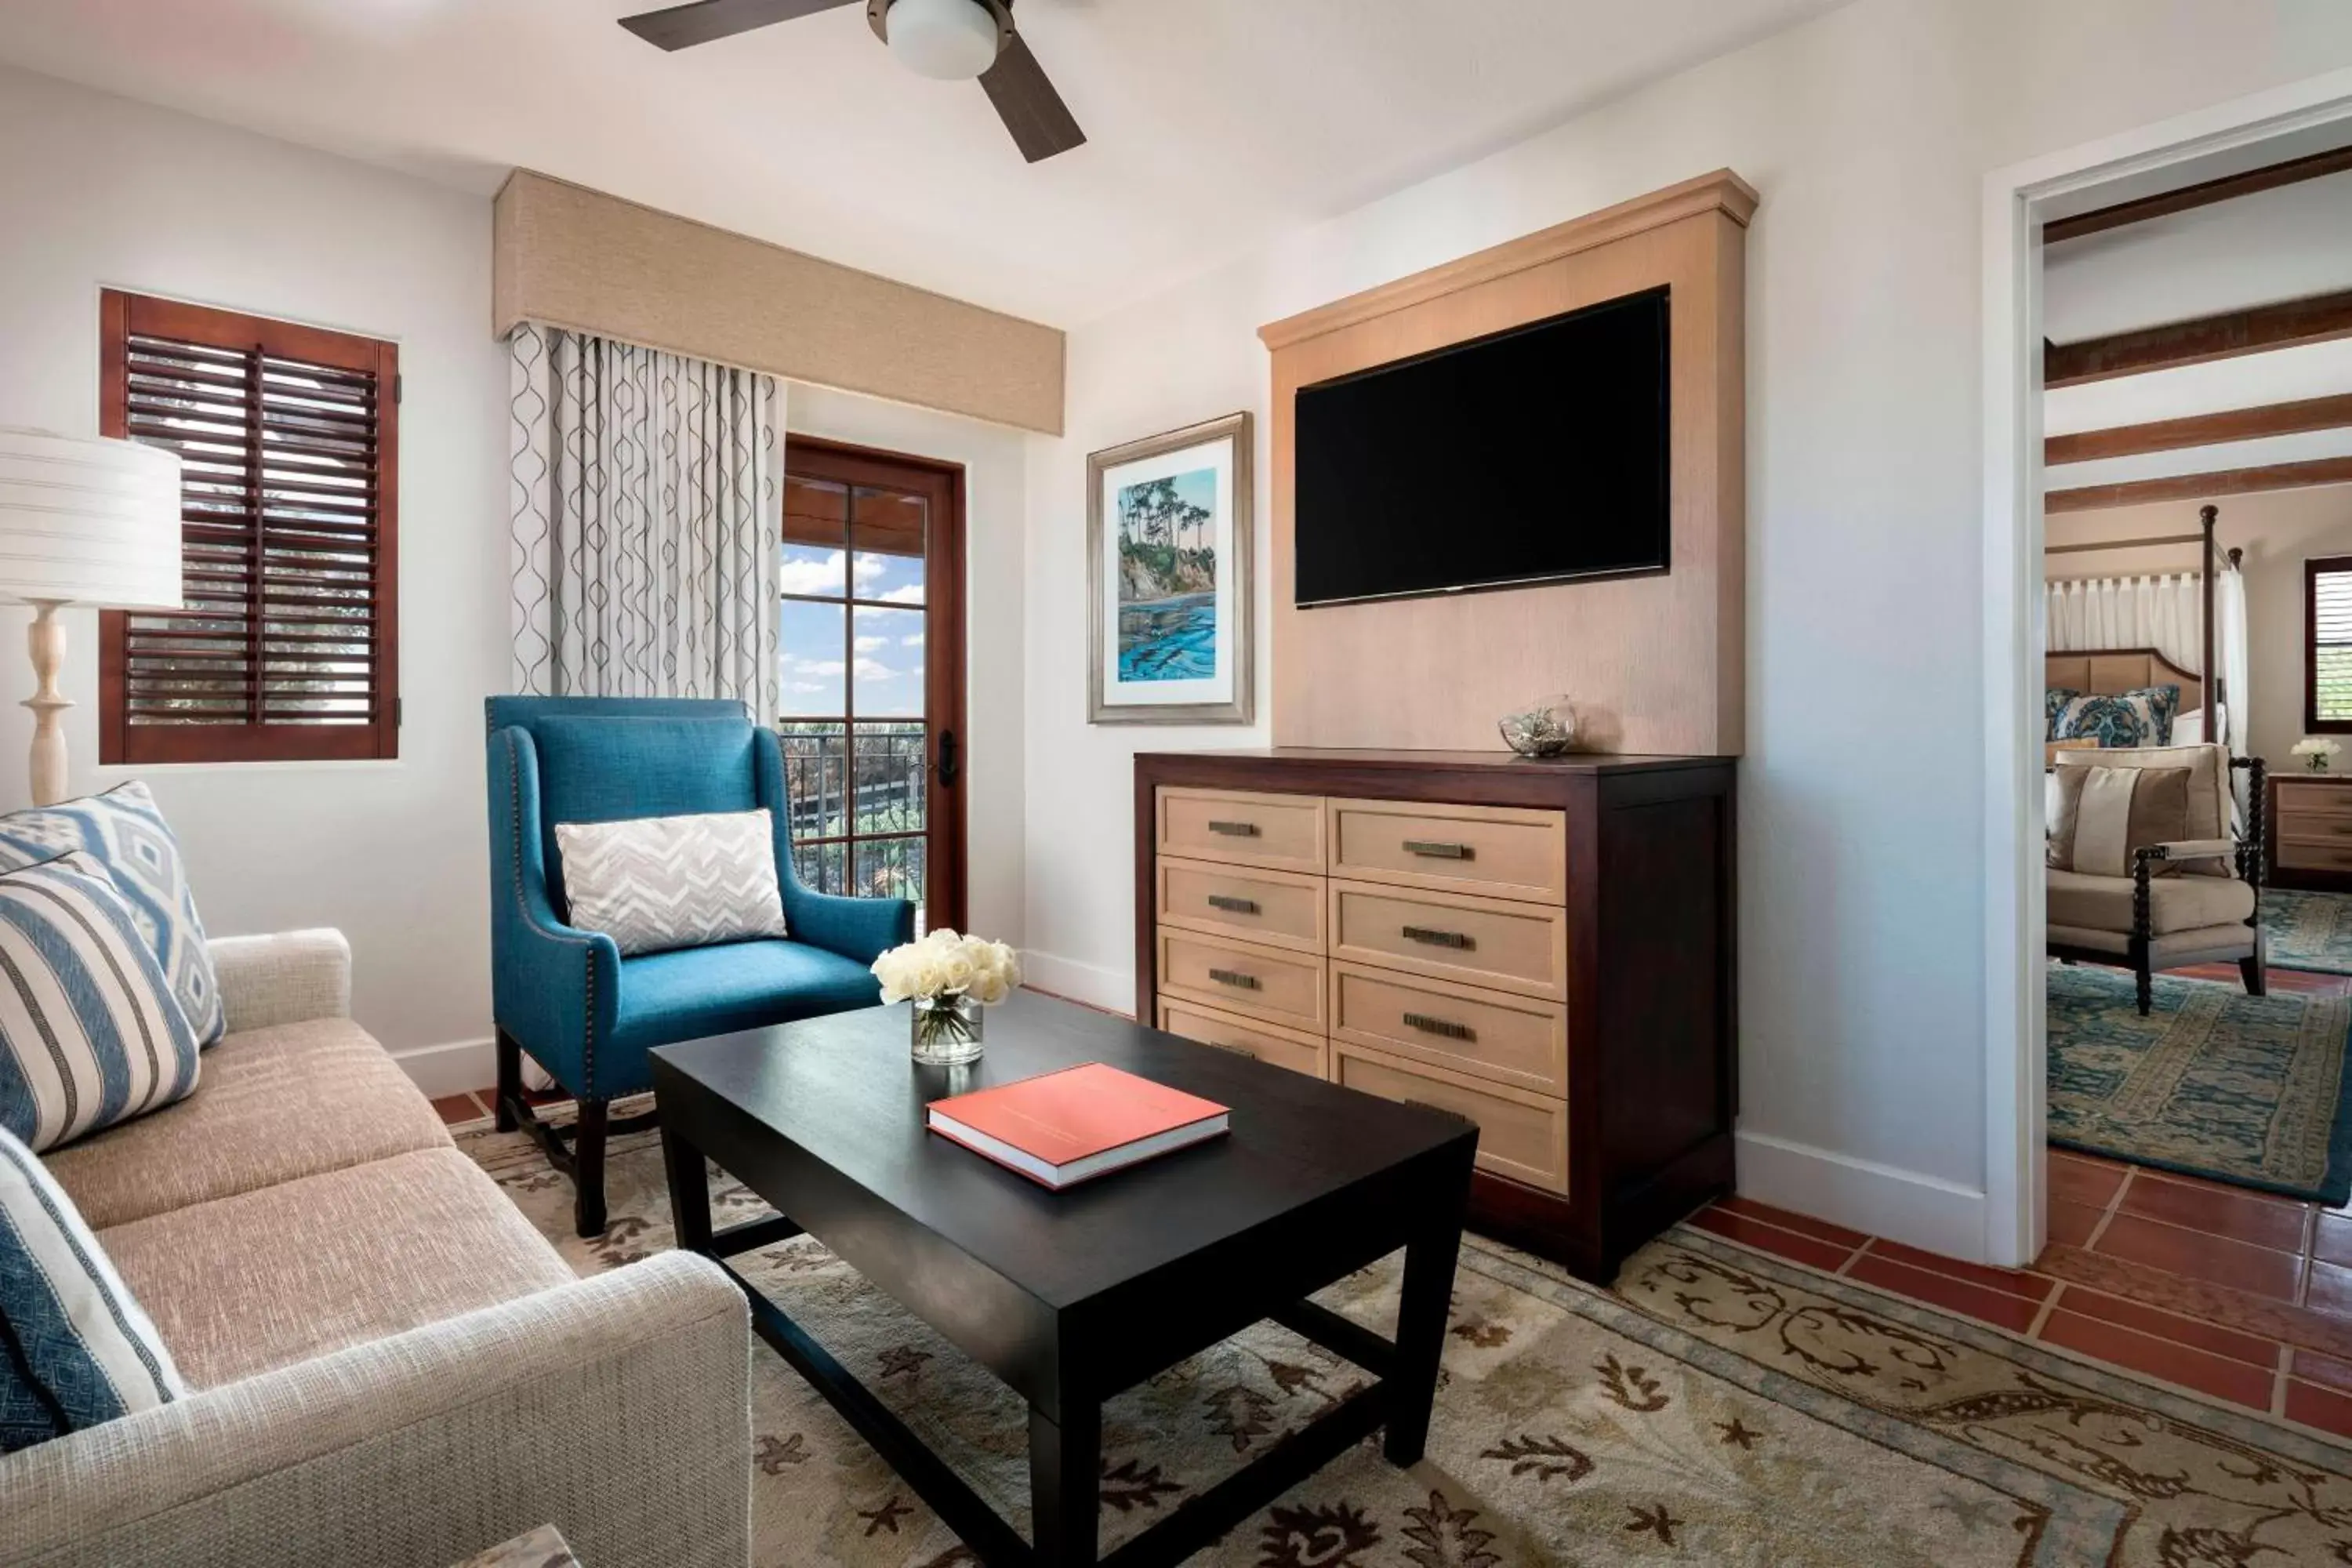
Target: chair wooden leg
2257, 980
510, 1090
588, 1169
2144, 979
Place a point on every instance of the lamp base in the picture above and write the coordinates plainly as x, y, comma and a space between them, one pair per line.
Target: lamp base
47, 642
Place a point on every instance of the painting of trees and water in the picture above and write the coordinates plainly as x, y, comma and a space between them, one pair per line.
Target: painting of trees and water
1168, 578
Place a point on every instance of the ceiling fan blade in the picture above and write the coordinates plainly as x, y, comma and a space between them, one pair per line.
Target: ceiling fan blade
680, 26
1040, 122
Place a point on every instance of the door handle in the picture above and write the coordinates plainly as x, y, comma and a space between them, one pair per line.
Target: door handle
948, 767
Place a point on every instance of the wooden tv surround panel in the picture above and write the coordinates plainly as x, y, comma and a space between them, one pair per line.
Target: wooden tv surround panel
1544, 947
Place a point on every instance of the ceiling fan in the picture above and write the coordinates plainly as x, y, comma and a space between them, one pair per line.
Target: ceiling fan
949, 40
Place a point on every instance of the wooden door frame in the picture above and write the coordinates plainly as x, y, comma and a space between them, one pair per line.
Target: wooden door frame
944, 703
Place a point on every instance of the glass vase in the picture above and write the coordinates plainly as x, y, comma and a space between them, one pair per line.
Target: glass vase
945, 1030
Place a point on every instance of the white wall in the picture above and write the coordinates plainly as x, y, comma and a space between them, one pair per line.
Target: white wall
994, 460
97, 191
1861, 867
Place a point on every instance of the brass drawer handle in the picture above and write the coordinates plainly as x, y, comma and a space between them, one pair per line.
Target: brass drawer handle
1443, 1027
1237, 906
1439, 938
1235, 829
1435, 850
1235, 977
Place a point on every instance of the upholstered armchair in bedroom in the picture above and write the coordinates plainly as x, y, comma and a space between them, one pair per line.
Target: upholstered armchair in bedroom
567, 997
2144, 868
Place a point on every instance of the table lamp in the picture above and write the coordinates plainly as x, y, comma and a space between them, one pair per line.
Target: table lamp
83, 521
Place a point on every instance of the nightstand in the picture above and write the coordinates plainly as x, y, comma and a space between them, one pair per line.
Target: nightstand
2310, 824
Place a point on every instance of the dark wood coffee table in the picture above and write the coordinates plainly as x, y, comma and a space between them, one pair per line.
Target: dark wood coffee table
1071, 1297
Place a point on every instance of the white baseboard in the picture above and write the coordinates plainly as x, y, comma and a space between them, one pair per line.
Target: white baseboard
1909, 1206
1088, 982
451, 1069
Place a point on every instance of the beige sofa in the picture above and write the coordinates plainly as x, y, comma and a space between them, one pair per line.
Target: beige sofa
389, 1365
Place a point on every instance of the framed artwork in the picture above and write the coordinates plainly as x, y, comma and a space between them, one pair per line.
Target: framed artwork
1167, 575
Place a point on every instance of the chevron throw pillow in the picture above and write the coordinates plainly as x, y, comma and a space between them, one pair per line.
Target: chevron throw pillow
75, 1349
125, 832
652, 883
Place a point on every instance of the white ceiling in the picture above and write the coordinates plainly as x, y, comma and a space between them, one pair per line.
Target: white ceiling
1214, 124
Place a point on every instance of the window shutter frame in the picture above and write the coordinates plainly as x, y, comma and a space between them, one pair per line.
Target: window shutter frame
124, 316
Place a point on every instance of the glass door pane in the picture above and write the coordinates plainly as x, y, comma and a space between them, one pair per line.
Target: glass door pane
856, 720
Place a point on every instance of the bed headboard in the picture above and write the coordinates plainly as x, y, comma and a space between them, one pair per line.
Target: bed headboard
2110, 670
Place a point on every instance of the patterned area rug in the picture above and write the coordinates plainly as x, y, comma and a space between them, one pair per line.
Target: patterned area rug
2309, 930
2213, 1082
1720, 1406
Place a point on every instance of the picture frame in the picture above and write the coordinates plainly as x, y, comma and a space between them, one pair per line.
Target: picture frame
1170, 562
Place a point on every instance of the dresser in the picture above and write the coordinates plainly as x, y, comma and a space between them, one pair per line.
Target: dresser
2309, 822
1546, 947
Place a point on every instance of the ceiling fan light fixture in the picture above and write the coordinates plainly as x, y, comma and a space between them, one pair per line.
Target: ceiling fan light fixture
950, 40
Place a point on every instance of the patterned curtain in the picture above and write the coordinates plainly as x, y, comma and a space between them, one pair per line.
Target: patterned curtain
648, 529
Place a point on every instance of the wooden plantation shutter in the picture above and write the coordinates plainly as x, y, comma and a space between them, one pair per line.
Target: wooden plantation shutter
2327, 646
287, 648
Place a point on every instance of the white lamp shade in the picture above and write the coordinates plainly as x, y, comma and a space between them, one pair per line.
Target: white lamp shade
950, 40
89, 521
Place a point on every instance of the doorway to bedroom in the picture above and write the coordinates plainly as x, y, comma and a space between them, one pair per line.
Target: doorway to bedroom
2196, 607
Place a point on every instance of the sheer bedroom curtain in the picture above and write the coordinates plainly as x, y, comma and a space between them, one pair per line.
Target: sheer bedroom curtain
2165, 613
647, 533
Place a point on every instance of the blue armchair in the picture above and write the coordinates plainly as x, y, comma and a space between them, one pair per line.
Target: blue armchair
567, 997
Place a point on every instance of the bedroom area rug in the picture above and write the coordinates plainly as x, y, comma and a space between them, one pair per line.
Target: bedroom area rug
1719, 1406
2247, 1089
2307, 931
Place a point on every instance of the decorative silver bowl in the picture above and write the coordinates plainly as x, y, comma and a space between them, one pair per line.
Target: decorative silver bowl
1545, 730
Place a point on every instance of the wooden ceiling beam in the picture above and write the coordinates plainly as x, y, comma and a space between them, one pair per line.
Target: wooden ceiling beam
2202, 487
2200, 430
2319, 319
2270, 177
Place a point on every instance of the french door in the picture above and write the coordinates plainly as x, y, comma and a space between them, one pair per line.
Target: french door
870, 645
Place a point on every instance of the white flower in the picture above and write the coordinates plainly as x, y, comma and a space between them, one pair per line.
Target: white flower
946, 962
2315, 746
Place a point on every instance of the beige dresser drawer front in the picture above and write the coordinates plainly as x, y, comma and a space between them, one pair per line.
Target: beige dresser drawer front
1269, 1042
2313, 799
2313, 854
1243, 977
1520, 1135
1501, 851
1452, 936
2303, 826
1238, 829
1283, 909
1487, 1033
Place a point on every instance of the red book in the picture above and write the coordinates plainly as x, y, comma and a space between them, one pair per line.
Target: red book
1063, 1128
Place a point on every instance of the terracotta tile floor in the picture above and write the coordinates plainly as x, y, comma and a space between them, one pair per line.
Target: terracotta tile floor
2207, 1286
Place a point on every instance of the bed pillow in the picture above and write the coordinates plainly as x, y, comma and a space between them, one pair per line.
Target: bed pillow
2104, 816
652, 883
2054, 704
76, 1351
125, 833
89, 1032
2112, 721
2164, 702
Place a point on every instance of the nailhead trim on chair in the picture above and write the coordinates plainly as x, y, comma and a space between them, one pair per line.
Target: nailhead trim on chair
587, 950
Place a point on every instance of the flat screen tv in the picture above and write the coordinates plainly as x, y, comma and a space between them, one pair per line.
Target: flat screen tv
1533, 456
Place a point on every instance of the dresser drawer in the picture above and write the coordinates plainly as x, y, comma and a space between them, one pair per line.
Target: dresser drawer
2300, 824
1243, 977
1520, 1135
1238, 829
1283, 1048
1499, 851
1489, 1034
2313, 854
1453, 936
1281, 909
2313, 799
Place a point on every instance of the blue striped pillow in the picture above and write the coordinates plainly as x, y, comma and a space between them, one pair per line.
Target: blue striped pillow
124, 830
90, 1033
75, 1349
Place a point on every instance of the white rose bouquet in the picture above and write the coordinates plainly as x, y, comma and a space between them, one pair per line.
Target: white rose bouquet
2317, 752
949, 978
